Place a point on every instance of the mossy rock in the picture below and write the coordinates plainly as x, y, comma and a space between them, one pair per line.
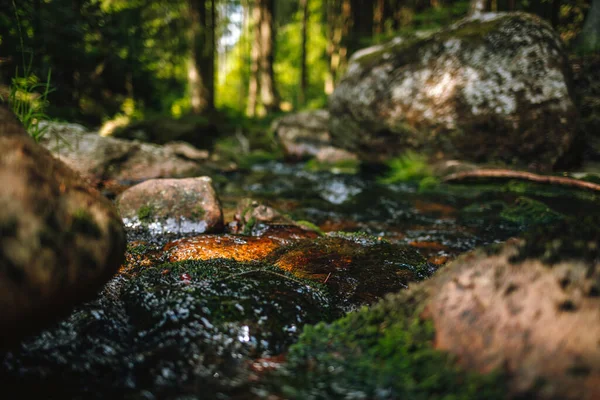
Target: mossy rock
382, 352
490, 88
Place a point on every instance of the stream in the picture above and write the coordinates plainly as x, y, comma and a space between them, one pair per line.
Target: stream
221, 328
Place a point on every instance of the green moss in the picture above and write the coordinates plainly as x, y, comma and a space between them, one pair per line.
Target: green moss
529, 212
198, 213
408, 167
257, 157
83, 222
384, 351
145, 213
138, 249
349, 166
248, 226
309, 226
568, 239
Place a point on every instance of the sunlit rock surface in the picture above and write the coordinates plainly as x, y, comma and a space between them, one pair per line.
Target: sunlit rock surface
60, 240
106, 158
536, 320
493, 87
237, 247
178, 206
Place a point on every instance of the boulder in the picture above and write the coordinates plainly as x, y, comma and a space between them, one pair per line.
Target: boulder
493, 87
306, 134
60, 240
188, 205
538, 322
107, 158
513, 321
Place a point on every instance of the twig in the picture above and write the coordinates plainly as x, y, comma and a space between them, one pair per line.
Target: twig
326, 279
527, 176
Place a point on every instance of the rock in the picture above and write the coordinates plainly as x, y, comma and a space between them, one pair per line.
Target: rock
196, 130
358, 269
521, 317
107, 158
60, 240
536, 322
181, 206
251, 217
170, 330
495, 87
306, 134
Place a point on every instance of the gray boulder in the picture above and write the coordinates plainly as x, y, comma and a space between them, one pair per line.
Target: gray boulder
107, 158
306, 134
494, 87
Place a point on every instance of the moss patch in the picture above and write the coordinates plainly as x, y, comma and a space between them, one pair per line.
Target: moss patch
83, 222
568, 239
145, 213
350, 167
380, 352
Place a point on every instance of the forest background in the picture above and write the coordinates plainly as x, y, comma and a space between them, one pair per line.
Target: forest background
117, 62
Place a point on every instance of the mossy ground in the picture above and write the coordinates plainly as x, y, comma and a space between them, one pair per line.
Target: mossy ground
382, 352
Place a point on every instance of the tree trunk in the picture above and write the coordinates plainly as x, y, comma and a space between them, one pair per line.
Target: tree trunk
255, 52
589, 38
378, 17
268, 90
477, 7
303, 72
339, 16
201, 67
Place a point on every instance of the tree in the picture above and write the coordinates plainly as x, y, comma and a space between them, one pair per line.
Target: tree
262, 77
477, 7
589, 38
303, 73
201, 73
338, 26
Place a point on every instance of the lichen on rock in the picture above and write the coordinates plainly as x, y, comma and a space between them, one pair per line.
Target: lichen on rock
489, 88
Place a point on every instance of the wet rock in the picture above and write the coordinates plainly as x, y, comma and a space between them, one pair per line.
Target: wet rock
306, 134
60, 240
179, 206
358, 269
490, 88
236, 247
381, 352
106, 158
521, 317
188, 328
252, 217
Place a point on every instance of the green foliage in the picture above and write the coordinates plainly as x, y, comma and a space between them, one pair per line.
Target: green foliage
384, 351
408, 167
310, 227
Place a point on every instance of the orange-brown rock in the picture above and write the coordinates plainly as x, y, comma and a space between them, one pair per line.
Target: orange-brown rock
538, 323
237, 247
